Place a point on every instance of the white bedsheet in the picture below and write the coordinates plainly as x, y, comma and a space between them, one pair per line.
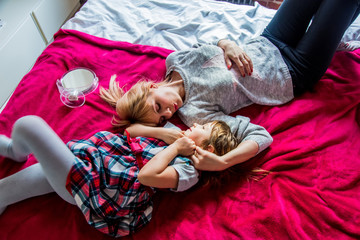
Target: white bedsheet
175, 24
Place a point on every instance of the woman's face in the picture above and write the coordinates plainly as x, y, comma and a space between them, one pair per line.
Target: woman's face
198, 133
164, 102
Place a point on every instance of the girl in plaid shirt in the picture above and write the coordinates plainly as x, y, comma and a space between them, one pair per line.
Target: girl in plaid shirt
110, 177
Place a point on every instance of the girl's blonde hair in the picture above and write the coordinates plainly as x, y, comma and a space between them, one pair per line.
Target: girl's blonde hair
223, 141
221, 138
131, 106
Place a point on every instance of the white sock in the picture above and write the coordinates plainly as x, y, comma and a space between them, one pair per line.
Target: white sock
348, 46
6, 149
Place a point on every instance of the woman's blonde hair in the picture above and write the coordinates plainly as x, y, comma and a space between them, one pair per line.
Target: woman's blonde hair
131, 106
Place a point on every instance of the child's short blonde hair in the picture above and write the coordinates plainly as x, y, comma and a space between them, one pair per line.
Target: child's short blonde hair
223, 141
221, 138
131, 106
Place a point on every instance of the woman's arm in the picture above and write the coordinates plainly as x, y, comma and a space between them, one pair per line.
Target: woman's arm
157, 173
252, 138
168, 135
204, 160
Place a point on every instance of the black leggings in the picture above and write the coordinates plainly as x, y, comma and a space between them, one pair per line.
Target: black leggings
308, 49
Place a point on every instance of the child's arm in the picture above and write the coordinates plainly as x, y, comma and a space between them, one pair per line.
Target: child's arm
157, 173
168, 135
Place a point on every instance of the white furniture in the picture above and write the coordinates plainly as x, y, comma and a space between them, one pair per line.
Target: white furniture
26, 27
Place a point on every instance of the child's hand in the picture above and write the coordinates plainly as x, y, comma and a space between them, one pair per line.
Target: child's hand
185, 146
171, 135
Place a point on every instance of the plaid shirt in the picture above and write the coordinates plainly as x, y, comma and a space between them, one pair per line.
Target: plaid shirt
104, 184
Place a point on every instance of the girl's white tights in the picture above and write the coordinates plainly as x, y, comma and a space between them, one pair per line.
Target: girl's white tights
31, 134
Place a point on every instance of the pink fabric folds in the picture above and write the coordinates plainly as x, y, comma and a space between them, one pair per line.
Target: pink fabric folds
312, 192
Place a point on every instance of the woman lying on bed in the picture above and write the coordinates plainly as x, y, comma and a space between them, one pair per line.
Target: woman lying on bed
104, 175
288, 59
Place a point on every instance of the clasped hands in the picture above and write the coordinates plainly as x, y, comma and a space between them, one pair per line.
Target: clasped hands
202, 159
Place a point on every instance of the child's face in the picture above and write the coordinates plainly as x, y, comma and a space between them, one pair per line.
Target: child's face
198, 133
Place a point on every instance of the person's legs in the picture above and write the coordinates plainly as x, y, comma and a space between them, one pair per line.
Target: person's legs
308, 50
29, 182
291, 21
32, 135
6, 150
356, 14
321, 40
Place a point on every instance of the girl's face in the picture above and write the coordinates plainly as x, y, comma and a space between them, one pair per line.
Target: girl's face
164, 102
198, 133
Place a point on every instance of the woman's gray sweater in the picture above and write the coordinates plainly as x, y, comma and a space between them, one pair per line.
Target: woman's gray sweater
212, 91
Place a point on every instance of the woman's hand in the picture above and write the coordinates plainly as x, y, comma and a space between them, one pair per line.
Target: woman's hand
207, 161
234, 53
185, 146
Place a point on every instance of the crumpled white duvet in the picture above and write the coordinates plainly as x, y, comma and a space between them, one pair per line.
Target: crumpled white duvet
175, 24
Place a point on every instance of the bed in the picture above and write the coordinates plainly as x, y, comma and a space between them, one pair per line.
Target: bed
313, 188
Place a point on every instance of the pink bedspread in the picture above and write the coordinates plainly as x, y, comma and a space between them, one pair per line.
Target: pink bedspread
312, 192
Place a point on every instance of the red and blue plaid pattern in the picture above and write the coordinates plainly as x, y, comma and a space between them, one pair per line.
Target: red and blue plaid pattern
103, 181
